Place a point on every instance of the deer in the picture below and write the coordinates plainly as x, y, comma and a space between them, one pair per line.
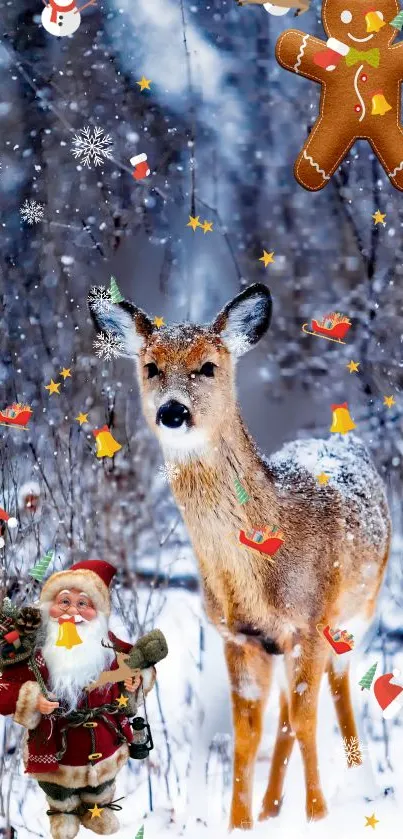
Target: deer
122, 672
329, 569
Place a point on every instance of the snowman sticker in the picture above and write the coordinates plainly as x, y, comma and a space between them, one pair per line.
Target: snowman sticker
62, 17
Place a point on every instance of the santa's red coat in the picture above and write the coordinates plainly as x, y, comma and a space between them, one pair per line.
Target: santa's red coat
93, 754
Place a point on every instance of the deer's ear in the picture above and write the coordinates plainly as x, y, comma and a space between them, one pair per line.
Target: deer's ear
124, 320
245, 319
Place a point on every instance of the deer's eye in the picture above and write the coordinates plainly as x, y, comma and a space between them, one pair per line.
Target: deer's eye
207, 369
152, 370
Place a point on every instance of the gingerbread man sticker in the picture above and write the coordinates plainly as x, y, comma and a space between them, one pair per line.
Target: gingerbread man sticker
360, 73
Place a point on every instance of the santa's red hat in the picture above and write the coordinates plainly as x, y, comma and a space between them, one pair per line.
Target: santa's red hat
10, 521
92, 576
388, 695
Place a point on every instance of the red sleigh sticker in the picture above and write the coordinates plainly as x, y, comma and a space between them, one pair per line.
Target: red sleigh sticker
333, 327
340, 640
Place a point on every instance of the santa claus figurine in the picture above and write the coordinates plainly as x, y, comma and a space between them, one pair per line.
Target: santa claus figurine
77, 740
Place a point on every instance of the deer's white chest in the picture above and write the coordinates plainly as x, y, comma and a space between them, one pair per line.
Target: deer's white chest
60, 23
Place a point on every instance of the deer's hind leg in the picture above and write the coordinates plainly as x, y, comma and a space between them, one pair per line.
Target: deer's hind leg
249, 669
305, 675
285, 740
340, 689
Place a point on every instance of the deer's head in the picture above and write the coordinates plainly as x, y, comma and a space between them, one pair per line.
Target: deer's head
186, 371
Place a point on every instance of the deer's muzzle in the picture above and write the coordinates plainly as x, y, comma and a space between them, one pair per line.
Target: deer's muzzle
173, 414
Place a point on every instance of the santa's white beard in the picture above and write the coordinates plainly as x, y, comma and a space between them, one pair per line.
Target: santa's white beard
70, 671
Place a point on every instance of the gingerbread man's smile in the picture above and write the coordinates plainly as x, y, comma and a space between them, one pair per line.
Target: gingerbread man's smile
359, 40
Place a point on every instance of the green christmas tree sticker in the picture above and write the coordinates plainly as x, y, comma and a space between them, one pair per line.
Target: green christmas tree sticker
368, 677
40, 568
114, 292
140, 833
241, 493
397, 21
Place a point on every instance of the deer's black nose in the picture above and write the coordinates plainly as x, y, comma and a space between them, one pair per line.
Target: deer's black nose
173, 414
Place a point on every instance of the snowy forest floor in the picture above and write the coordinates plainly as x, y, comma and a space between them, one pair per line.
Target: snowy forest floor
175, 711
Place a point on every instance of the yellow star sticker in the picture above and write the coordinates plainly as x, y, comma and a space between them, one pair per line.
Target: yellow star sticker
66, 372
82, 418
158, 322
379, 218
53, 387
144, 84
322, 479
122, 701
389, 401
371, 821
194, 222
353, 366
267, 258
95, 811
207, 226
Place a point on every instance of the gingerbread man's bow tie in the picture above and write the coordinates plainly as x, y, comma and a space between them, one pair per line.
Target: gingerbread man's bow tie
355, 56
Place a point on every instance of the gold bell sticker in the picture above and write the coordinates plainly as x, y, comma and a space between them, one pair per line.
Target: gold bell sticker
105, 442
341, 421
380, 105
374, 21
68, 636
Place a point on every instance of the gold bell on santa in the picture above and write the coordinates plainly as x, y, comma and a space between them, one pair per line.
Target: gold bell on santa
106, 444
342, 421
380, 105
374, 21
68, 635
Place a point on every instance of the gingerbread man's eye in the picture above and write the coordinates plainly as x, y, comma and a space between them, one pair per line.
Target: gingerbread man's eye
346, 16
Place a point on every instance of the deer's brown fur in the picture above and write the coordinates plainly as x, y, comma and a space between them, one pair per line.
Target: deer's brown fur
328, 571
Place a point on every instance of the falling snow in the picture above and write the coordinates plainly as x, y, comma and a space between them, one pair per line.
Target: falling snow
31, 211
107, 346
95, 147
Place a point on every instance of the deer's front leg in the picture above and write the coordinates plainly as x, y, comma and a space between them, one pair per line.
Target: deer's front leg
249, 669
295, 51
305, 674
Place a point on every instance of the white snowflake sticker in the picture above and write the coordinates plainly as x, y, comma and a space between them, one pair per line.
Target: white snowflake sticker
31, 211
99, 298
107, 346
353, 751
93, 147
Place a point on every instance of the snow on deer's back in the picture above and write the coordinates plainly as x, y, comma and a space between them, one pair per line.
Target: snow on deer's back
336, 536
